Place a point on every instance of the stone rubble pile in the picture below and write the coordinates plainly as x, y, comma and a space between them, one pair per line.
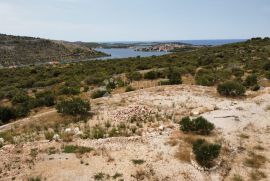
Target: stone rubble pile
130, 112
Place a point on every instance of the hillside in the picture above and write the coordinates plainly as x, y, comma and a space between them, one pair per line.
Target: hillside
50, 146
17, 50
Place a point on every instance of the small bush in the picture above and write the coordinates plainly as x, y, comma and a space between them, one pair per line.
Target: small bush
100, 176
138, 162
20, 97
174, 77
205, 77
267, 75
151, 75
238, 72
34, 179
231, 88
98, 93
257, 175
74, 107
205, 153
98, 132
252, 82
49, 135
65, 90
6, 114
199, 125
46, 98
22, 110
134, 76
129, 88
255, 160
77, 149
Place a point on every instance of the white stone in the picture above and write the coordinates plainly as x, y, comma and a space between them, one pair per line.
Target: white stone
76, 130
161, 128
68, 130
56, 137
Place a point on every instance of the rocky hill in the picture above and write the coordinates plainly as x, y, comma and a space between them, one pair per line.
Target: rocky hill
18, 50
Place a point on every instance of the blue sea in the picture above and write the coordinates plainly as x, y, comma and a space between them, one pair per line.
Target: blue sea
212, 42
118, 53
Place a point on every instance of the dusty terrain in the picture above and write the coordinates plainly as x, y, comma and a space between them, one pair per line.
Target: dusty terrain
157, 150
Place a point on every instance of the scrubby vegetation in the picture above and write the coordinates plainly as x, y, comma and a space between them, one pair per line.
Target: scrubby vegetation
205, 152
74, 107
198, 125
77, 149
26, 88
231, 88
16, 50
98, 93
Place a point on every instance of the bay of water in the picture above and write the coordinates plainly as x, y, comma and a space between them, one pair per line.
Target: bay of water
126, 53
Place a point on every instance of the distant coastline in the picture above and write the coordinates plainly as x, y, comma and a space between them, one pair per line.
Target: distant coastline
192, 42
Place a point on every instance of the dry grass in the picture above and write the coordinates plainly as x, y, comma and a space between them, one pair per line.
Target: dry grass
257, 175
183, 153
259, 147
237, 177
255, 160
244, 136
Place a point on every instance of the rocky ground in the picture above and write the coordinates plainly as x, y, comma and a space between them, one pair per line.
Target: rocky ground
152, 148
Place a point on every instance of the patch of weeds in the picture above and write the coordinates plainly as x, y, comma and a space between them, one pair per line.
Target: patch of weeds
259, 147
138, 162
77, 149
117, 175
67, 137
244, 136
98, 132
51, 151
101, 176
237, 177
34, 152
255, 160
34, 179
49, 135
257, 175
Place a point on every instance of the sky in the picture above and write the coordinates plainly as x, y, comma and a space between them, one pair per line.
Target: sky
135, 20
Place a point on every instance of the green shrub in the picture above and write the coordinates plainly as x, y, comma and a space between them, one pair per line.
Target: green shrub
134, 76
150, 75
238, 72
205, 152
34, 179
137, 162
98, 93
46, 98
231, 88
64, 90
174, 77
98, 132
22, 110
199, 125
205, 77
6, 114
77, 149
252, 82
129, 88
74, 107
267, 75
20, 97
49, 135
